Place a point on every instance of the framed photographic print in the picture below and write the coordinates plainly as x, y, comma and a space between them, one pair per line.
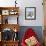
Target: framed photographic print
30, 13
5, 12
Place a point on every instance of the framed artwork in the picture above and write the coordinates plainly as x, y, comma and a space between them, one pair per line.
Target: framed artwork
30, 13
13, 12
5, 12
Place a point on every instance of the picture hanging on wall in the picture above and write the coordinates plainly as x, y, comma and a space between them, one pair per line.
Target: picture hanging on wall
30, 13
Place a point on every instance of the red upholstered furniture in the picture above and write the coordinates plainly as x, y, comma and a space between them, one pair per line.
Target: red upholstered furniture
29, 33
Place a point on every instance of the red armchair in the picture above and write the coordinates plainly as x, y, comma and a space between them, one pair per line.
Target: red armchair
29, 36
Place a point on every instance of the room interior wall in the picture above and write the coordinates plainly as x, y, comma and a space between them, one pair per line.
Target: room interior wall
39, 13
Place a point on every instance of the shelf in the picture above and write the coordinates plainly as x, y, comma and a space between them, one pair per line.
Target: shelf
6, 12
8, 26
11, 41
9, 10
2, 8
10, 19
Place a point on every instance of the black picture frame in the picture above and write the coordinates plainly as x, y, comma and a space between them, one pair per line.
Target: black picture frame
30, 13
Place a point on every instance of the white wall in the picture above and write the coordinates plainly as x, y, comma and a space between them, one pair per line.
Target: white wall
39, 12
27, 3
